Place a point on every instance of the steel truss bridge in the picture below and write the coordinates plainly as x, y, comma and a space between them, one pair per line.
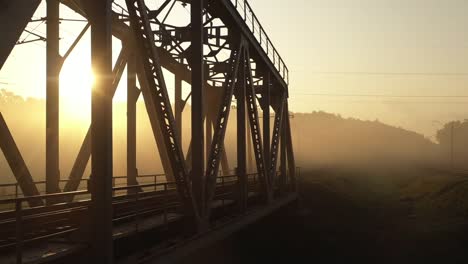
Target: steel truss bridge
226, 56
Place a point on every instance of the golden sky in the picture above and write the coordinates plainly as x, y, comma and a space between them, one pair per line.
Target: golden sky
332, 47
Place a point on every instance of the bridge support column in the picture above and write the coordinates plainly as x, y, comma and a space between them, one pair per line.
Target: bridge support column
241, 135
178, 106
132, 98
290, 151
266, 122
101, 132
250, 162
198, 139
208, 133
54, 64
283, 143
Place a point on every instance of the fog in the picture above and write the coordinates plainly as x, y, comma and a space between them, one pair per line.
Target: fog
320, 140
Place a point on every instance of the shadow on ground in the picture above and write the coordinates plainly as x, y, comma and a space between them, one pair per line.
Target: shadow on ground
357, 217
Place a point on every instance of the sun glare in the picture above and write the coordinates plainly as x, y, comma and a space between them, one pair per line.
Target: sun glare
76, 81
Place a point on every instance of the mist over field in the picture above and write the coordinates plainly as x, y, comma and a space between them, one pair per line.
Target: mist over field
368, 190
320, 140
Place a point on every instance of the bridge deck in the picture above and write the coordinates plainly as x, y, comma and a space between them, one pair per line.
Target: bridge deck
56, 231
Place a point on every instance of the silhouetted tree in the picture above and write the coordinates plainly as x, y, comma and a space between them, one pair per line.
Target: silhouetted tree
453, 139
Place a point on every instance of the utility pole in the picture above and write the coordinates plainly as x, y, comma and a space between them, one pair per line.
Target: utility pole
452, 132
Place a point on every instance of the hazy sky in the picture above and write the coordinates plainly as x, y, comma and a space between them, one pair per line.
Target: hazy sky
407, 36
319, 37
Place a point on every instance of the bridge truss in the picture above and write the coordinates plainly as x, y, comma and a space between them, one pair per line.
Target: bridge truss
222, 51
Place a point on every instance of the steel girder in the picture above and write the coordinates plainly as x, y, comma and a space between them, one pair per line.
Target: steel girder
255, 131
290, 149
232, 18
157, 98
14, 17
265, 104
16, 163
217, 145
275, 140
132, 97
53, 67
213, 100
217, 70
196, 62
242, 142
100, 187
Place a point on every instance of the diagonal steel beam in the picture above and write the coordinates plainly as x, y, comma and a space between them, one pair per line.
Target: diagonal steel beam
252, 111
155, 127
157, 99
275, 140
132, 97
17, 164
213, 101
217, 145
14, 17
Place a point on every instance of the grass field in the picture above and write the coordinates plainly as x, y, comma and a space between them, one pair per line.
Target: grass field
357, 216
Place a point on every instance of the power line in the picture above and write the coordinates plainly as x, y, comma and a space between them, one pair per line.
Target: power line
381, 95
443, 74
388, 102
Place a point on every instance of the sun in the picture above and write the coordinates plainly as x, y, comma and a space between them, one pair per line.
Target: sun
76, 82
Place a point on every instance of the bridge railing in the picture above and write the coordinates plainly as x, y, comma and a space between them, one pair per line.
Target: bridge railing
246, 12
132, 215
13, 190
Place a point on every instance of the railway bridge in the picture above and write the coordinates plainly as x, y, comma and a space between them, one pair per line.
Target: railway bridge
218, 47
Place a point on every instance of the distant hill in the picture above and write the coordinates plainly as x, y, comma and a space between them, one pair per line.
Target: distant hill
324, 139
320, 139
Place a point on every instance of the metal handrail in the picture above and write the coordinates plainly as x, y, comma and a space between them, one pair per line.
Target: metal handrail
19, 217
244, 9
17, 189
129, 187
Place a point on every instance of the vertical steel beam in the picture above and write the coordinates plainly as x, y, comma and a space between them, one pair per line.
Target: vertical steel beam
283, 143
52, 96
249, 149
179, 106
101, 132
198, 142
290, 151
208, 133
16, 163
266, 121
132, 98
241, 134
